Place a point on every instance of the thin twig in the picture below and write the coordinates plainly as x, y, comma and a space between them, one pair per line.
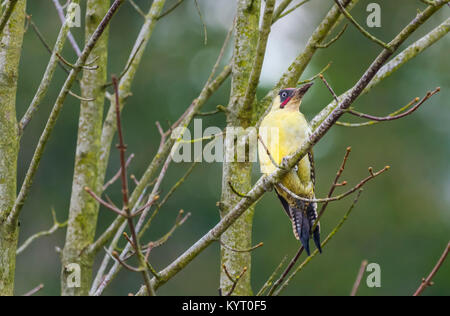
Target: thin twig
179, 221
291, 10
280, 9
127, 66
35, 290
56, 225
169, 194
316, 76
241, 250
233, 280
72, 40
137, 8
399, 116
334, 186
268, 153
334, 39
205, 30
427, 282
44, 41
172, 8
361, 29
57, 107
116, 257
324, 243
286, 271
7, 14
401, 110
80, 97
329, 88
242, 195
340, 196
104, 203
67, 63
359, 277
301, 249
117, 175
271, 278
123, 175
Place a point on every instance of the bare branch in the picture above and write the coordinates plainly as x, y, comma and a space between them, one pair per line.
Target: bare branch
137, 8
117, 175
324, 243
255, 74
396, 117
340, 196
427, 282
360, 28
334, 185
26, 185
7, 14
290, 10
232, 279
401, 110
80, 97
63, 19
56, 225
104, 203
35, 290
75, 66
172, 8
361, 271
316, 76
241, 250
271, 278
205, 31
334, 39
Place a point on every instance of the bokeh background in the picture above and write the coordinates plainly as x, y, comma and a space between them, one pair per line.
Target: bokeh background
402, 221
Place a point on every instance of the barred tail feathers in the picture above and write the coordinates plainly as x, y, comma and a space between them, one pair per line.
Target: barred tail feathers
303, 217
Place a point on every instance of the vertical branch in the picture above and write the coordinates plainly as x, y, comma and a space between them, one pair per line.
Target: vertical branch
298, 66
7, 14
49, 71
83, 211
427, 282
10, 50
359, 277
239, 236
57, 107
109, 126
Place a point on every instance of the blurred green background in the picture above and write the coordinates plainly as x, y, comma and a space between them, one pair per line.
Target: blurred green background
402, 221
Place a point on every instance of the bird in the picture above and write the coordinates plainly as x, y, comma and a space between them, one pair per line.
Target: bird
282, 131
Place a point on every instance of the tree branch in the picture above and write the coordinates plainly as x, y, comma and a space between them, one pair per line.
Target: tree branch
402, 58
56, 110
49, 72
361, 271
64, 20
360, 28
6, 15
56, 225
324, 243
427, 282
266, 182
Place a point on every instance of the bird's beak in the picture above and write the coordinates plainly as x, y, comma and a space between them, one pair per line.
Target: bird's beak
300, 92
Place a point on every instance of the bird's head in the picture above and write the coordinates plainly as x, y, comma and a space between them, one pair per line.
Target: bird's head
290, 98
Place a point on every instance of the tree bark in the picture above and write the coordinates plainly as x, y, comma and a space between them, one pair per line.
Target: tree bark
10, 50
239, 235
84, 209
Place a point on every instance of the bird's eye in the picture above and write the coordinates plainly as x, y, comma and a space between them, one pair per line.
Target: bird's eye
284, 95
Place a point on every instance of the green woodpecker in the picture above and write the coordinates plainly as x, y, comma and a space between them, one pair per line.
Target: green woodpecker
282, 132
